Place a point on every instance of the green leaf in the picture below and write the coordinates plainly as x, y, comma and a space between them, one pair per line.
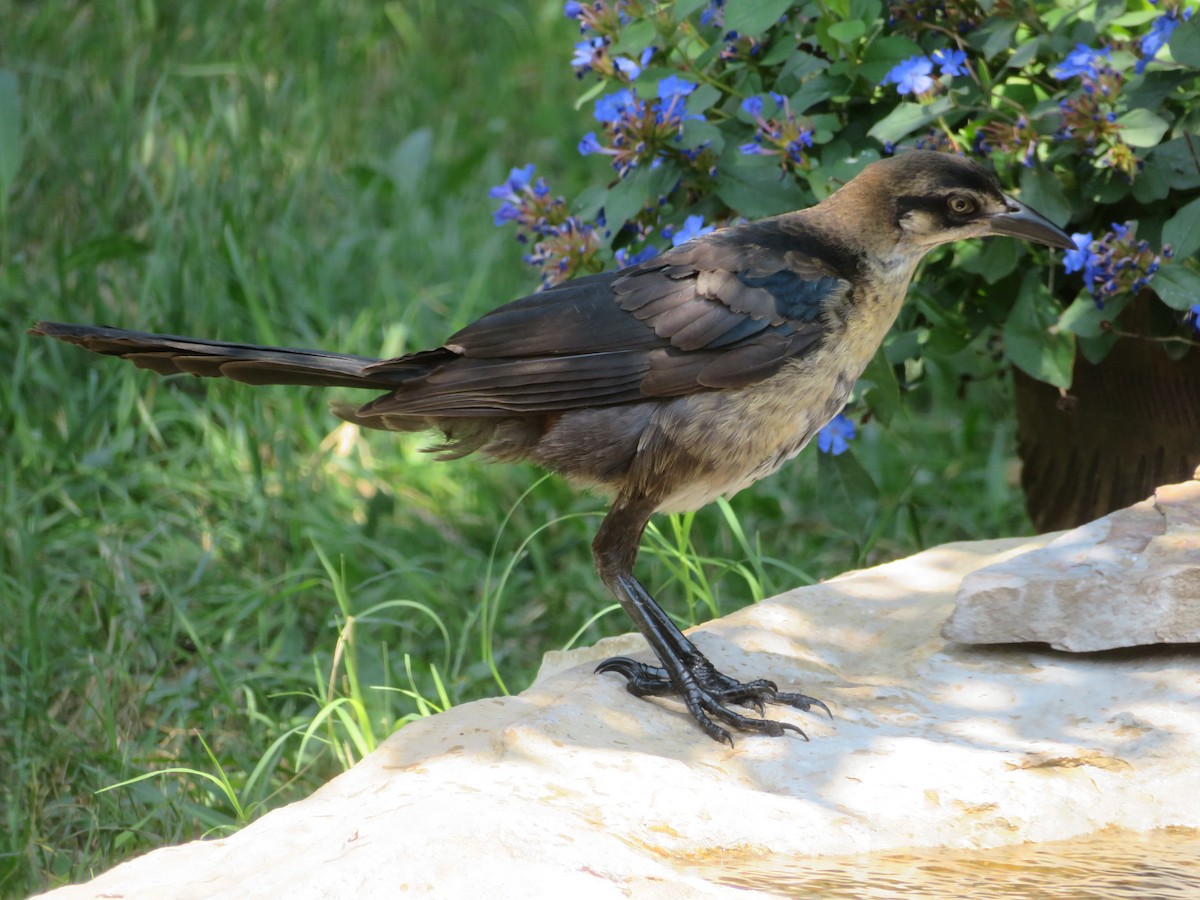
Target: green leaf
696, 133
1086, 320
839, 163
1178, 156
1153, 182
1182, 230
994, 36
752, 17
588, 203
10, 132
684, 8
639, 188
591, 93
812, 91
702, 98
1142, 128
991, 259
883, 395
906, 118
1185, 43
1031, 339
1024, 53
848, 32
1041, 190
1177, 286
635, 37
755, 186
845, 490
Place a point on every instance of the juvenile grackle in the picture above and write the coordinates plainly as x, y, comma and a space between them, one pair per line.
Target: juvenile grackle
664, 385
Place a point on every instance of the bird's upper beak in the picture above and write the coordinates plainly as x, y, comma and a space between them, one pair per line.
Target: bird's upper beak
1021, 221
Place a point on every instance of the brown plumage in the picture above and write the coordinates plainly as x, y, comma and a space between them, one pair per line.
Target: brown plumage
664, 385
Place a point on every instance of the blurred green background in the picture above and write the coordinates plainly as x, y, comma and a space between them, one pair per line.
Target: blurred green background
222, 585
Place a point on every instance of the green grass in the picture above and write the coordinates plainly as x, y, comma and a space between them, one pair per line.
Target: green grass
217, 583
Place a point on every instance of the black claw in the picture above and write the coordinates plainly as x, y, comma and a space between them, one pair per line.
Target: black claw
802, 702
706, 693
622, 664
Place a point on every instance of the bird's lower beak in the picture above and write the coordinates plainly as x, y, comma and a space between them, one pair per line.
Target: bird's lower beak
1021, 221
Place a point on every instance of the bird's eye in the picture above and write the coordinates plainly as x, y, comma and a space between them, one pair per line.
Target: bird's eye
960, 205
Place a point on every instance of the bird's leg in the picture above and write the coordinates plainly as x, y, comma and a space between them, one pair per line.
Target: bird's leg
685, 671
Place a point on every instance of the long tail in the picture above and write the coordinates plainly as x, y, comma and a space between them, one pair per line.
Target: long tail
169, 354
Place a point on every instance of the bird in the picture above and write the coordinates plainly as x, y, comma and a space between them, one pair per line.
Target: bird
662, 385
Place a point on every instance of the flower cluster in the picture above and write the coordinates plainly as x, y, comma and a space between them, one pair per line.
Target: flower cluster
599, 17
914, 16
591, 55
1116, 263
1090, 114
639, 131
563, 245
779, 135
527, 204
915, 74
569, 249
1011, 138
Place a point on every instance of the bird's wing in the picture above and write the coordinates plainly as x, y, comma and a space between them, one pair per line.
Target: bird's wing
707, 315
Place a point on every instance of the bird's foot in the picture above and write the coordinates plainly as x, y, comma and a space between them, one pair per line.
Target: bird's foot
707, 692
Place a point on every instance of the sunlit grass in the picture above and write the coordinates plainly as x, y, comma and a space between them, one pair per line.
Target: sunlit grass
223, 585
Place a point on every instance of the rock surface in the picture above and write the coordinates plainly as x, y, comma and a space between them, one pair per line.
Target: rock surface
1129, 579
575, 789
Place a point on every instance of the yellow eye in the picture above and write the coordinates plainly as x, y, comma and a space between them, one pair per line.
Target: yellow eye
960, 205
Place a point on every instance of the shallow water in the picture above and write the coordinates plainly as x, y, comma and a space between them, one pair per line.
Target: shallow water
1108, 865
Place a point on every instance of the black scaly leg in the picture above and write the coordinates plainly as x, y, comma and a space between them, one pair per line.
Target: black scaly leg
685, 671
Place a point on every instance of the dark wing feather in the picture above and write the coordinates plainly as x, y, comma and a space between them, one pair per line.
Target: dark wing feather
720, 312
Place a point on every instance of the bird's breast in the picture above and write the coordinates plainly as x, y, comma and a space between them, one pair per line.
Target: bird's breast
733, 438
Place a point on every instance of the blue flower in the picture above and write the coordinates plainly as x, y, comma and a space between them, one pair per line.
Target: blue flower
912, 76
754, 148
506, 213
589, 144
572, 9
753, 106
1083, 60
674, 88
1160, 32
585, 52
518, 180
951, 62
627, 67
836, 435
795, 148
1081, 256
693, 227
611, 107
1193, 316
624, 258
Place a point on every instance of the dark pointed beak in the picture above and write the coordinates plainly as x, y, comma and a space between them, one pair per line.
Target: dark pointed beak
1020, 221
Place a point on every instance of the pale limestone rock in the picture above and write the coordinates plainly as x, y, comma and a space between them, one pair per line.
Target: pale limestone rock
575, 789
1128, 579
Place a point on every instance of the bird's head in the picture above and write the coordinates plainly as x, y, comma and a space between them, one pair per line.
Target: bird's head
929, 198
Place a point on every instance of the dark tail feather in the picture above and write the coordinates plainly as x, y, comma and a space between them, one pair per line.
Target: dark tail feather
169, 354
